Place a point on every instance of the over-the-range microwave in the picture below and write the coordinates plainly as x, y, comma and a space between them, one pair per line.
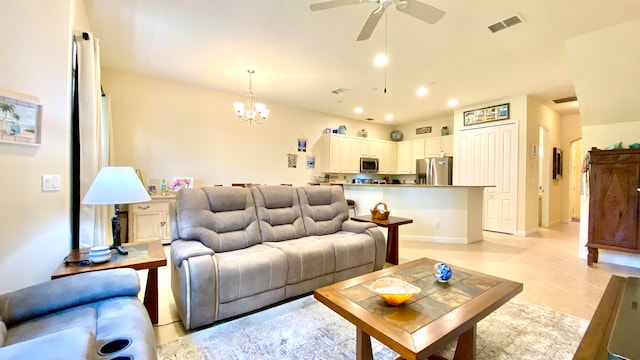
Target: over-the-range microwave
368, 165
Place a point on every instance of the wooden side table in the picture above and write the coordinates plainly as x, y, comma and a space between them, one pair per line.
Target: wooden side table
142, 256
391, 224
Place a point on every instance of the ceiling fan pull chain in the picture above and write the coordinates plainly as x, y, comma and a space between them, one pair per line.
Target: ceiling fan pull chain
386, 23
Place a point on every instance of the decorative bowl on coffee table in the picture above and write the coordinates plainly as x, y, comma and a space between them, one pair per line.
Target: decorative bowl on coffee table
394, 291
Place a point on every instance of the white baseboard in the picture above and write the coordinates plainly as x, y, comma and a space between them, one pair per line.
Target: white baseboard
439, 239
527, 232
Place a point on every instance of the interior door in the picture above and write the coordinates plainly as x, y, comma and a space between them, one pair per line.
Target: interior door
489, 156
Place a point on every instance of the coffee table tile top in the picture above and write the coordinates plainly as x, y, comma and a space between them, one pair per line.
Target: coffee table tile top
435, 300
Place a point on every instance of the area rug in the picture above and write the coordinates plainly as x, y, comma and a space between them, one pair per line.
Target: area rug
306, 329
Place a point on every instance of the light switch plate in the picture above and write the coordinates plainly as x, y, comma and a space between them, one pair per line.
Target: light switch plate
50, 182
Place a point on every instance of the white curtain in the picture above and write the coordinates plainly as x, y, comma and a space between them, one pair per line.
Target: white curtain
95, 140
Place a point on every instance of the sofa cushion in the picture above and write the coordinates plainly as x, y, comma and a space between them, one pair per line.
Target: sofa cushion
323, 208
351, 250
278, 212
246, 272
222, 218
307, 258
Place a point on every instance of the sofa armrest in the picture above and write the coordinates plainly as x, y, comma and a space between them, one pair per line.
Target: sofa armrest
55, 295
184, 249
356, 226
74, 343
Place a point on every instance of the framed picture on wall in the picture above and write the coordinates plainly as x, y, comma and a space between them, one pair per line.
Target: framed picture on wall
557, 163
486, 114
20, 118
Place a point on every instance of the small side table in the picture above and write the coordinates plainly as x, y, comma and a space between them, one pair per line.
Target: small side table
391, 224
142, 255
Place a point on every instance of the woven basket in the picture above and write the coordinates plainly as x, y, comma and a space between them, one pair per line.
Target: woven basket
380, 211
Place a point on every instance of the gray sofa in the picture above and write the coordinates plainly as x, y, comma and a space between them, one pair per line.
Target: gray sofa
235, 250
85, 316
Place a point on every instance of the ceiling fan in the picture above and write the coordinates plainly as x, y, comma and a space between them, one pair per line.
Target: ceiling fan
417, 9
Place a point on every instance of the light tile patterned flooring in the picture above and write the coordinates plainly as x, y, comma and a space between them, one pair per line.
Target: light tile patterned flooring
546, 263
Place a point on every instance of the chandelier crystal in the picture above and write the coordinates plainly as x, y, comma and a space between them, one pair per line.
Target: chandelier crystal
250, 111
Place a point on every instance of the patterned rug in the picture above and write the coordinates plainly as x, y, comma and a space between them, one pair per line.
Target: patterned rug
306, 329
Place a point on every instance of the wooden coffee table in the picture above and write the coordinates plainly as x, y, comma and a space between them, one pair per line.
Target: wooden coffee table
391, 224
424, 325
142, 255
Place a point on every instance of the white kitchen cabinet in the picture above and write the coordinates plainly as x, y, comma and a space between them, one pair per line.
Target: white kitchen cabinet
149, 221
447, 145
370, 148
434, 146
334, 154
417, 152
387, 154
404, 158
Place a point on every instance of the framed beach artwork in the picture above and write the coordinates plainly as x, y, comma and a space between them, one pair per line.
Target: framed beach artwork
20, 119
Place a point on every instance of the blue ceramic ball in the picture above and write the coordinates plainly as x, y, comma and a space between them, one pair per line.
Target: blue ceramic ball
442, 272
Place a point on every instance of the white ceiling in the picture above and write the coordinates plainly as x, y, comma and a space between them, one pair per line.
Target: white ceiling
301, 56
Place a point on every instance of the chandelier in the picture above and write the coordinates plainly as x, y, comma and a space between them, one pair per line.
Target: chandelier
250, 111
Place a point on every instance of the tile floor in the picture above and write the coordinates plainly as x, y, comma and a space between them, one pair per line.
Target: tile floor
545, 263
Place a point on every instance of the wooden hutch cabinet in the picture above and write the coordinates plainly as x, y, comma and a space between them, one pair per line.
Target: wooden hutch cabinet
614, 206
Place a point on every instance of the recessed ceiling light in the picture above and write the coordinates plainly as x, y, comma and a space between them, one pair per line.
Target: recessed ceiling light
381, 60
452, 102
358, 110
422, 91
389, 117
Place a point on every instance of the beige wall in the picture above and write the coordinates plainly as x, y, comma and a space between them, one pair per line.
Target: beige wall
409, 130
168, 129
571, 131
35, 232
543, 116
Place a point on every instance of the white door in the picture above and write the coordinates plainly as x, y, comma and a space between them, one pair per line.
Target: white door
489, 156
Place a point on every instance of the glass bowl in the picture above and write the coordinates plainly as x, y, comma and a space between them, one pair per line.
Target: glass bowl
394, 291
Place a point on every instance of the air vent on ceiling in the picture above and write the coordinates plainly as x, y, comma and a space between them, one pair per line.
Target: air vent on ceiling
565, 100
339, 90
508, 22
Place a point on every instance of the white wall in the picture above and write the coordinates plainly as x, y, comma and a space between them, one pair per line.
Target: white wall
35, 232
168, 129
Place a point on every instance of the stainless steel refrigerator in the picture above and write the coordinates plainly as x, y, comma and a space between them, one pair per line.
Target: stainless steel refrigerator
434, 171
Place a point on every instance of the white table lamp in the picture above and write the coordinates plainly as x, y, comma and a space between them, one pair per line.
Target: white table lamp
116, 185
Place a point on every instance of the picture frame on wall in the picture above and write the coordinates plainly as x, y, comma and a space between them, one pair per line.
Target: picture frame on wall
486, 114
557, 163
20, 119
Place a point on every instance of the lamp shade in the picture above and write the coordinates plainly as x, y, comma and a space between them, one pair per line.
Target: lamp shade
116, 185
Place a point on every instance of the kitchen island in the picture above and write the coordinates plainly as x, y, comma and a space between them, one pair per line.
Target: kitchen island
445, 214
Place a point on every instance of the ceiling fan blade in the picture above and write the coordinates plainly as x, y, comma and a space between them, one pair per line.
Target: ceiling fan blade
371, 23
421, 11
332, 4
